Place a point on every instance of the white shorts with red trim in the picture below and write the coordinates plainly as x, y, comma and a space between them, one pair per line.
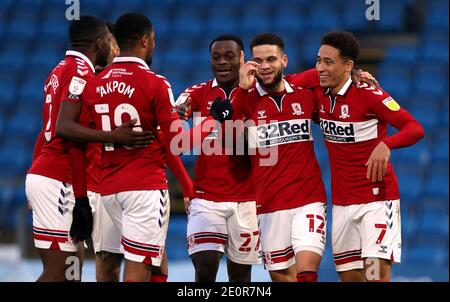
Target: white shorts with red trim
371, 230
51, 202
228, 227
287, 232
142, 218
105, 235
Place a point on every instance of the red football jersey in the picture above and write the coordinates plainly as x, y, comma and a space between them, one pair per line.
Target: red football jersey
67, 81
125, 90
282, 131
218, 177
353, 123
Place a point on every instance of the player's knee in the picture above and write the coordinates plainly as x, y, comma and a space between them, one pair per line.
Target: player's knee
239, 272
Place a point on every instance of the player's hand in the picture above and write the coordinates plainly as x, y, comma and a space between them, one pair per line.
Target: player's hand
221, 110
247, 74
184, 109
377, 163
125, 135
81, 228
187, 203
364, 76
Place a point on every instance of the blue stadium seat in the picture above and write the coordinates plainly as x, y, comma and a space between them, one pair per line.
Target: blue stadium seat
440, 147
418, 154
12, 161
322, 17
12, 60
188, 25
437, 186
427, 115
30, 5
8, 87
398, 85
392, 17
221, 24
349, 12
424, 254
45, 60
437, 16
410, 188
310, 48
255, 21
401, 54
435, 52
433, 222
288, 20
409, 222
180, 57
31, 92
428, 84
23, 28
55, 30
23, 124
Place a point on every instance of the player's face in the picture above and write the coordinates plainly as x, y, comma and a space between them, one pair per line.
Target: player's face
225, 56
150, 47
104, 48
272, 62
115, 50
333, 69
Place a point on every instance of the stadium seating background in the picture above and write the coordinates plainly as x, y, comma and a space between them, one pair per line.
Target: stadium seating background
407, 50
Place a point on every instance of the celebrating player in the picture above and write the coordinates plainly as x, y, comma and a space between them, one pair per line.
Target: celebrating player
365, 195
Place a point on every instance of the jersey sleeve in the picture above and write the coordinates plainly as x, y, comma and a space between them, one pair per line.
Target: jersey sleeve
194, 92
164, 102
74, 86
388, 110
307, 79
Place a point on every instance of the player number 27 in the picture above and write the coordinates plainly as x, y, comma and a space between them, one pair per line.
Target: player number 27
245, 247
124, 108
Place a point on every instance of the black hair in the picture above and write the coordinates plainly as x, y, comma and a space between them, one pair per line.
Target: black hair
110, 26
130, 28
227, 38
85, 31
267, 39
345, 42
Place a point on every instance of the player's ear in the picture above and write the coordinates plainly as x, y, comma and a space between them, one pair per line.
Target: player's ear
349, 65
285, 60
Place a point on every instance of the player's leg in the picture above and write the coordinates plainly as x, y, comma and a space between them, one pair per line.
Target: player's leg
346, 244
160, 274
145, 220
308, 240
52, 202
206, 265
243, 246
107, 266
380, 233
207, 235
106, 240
276, 245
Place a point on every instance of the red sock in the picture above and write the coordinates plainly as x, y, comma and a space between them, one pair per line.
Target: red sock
158, 278
307, 276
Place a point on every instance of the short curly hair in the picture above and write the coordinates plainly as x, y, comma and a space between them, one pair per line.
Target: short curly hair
345, 42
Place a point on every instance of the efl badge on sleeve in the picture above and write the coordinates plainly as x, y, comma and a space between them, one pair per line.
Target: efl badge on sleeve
391, 104
76, 86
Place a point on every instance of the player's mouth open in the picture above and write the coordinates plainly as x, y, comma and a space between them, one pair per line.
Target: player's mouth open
223, 72
266, 75
323, 77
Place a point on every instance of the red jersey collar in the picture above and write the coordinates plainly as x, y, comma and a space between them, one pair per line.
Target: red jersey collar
78, 54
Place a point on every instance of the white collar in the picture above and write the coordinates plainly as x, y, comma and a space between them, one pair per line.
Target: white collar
81, 56
214, 83
343, 89
262, 92
131, 59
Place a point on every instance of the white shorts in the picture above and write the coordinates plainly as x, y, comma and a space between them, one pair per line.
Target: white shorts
369, 230
51, 202
105, 235
228, 227
142, 218
287, 232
